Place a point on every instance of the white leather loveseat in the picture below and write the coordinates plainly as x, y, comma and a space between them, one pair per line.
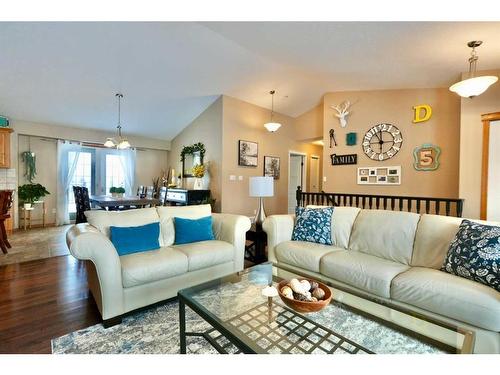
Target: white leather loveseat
122, 284
393, 257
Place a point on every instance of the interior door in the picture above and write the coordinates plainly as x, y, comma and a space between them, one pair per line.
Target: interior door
295, 179
314, 175
493, 194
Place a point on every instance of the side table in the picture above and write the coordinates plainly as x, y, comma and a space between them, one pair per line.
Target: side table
256, 250
27, 214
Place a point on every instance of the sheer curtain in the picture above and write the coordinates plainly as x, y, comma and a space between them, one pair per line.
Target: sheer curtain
65, 173
127, 158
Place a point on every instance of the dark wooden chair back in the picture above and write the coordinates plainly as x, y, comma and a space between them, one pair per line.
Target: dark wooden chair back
150, 192
5, 202
163, 195
141, 190
82, 203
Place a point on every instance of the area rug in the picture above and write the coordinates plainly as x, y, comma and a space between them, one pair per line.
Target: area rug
156, 330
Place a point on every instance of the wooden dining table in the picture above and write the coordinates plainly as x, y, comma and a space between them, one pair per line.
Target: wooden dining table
107, 201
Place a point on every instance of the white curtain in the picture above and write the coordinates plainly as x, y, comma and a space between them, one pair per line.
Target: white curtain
127, 158
65, 173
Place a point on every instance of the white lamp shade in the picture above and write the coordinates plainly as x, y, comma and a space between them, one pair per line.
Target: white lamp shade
472, 87
123, 145
261, 186
272, 126
109, 143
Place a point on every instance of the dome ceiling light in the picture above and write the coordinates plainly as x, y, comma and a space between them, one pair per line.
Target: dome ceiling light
271, 125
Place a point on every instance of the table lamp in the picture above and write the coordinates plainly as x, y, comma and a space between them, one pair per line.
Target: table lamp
261, 187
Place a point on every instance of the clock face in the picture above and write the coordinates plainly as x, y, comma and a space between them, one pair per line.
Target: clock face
382, 142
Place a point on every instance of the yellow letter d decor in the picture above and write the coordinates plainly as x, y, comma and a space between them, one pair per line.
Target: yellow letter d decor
422, 109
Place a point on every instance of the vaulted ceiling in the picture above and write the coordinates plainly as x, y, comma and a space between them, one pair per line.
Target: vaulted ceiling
67, 73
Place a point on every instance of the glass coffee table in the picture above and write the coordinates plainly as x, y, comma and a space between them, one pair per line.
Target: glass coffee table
242, 320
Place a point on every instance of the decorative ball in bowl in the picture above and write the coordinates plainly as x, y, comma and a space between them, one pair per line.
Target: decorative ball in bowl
304, 295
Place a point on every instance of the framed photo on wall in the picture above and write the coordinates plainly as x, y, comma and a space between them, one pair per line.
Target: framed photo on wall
248, 153
272, 167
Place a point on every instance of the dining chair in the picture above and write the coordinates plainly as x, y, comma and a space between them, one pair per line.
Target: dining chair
162, 196
82, 203
5, 205
150, 192
140, 190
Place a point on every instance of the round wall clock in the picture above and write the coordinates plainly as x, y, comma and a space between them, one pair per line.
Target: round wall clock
382, 142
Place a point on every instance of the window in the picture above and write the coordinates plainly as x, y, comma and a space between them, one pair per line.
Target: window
82, 177
115, 175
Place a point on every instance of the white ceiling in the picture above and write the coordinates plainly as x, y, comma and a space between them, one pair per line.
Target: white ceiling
68, 73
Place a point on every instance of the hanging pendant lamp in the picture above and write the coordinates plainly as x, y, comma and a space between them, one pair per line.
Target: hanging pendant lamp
473, 86
121, 142
271, 125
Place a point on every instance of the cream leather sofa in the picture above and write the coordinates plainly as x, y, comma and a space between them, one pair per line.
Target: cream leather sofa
122, 284
393, 257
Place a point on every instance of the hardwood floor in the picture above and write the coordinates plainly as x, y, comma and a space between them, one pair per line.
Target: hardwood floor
43, 299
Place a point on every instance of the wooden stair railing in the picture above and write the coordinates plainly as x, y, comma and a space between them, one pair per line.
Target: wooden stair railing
429, 205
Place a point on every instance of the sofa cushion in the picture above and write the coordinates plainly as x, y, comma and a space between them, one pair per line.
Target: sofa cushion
205, 254
143, 268
386, 234
313, 225
306, 255
167, 214
475, 254
432, 240
102, 219
342, 221
450, 296
193, 230
364, 271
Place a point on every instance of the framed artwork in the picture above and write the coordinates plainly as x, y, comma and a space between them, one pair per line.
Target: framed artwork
426, 157
248, 153
379, 175
272, 167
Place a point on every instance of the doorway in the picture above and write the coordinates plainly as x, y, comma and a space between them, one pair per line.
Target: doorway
314, 176
296, 177
490, 182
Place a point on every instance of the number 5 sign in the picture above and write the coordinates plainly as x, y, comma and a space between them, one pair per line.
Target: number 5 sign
426, 157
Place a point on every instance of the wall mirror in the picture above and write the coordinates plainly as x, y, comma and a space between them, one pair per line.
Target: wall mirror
191, 156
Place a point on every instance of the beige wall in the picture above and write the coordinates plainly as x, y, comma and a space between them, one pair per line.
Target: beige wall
150, 161
206, 128
245, 121
395, 107
471, 144
309, 125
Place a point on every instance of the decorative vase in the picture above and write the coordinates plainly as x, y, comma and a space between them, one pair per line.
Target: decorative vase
113, 195
198, 183
27, 206
206, 181
119, 195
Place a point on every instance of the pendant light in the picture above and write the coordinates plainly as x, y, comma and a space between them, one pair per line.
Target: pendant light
272, 126
473, 86
121, 143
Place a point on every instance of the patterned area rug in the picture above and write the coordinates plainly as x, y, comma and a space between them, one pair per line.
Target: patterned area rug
156, 330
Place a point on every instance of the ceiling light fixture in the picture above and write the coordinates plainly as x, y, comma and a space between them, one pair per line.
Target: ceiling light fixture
272, 126
121, 143
473, 86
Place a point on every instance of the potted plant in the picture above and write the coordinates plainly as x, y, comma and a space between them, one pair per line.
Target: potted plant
30, 193
198, 173
117, 191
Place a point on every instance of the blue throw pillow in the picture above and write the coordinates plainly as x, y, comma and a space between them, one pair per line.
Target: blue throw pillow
474, 254
313, 225
189, 230
129, 240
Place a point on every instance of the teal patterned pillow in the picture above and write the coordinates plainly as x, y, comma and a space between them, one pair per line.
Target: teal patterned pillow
313, 225
474, 254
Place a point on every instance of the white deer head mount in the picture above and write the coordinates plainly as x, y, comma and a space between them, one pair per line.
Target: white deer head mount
342, 112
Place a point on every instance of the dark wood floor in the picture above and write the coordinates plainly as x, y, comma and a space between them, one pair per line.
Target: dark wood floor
43, 299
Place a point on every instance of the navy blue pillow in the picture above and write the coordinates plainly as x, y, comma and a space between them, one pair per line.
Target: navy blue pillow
193, 230
474, 254
129, 240
313, 225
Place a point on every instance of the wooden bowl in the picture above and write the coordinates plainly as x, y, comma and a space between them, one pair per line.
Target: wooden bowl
306, 306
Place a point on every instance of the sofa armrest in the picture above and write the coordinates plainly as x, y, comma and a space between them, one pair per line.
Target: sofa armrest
279, 229
232, 228
87, 243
